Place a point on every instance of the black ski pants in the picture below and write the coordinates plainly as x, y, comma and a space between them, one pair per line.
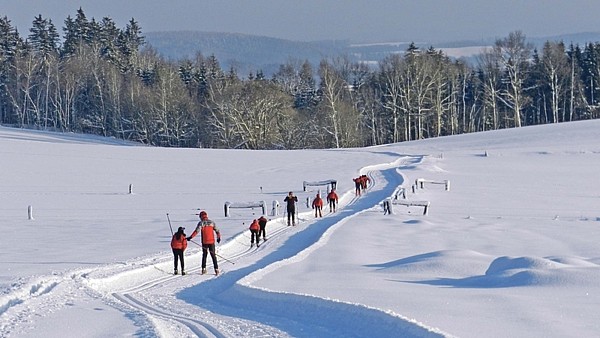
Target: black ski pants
178, 256
254, 234
206, 248
332, 204
263, 231
291, 216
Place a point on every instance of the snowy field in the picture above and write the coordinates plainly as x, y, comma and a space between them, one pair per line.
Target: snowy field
508, 248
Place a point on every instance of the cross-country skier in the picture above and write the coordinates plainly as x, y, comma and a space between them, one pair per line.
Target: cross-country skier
254, 229
291, 208
207, 230
317, 204
178, 245
332, 199
364, 181
357, 185
262, 222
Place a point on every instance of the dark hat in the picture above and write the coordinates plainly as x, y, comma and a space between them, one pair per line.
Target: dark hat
180, 229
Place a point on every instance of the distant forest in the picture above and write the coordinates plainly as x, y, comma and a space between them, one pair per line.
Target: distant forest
101, 79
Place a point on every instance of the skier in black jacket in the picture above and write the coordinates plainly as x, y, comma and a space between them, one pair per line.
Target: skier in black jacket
291, 208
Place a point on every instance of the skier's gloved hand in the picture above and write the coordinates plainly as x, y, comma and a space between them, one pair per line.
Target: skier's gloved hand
218, 239
189, 238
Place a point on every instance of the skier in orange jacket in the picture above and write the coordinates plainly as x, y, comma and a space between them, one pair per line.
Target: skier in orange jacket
332, 200
207, 230
254, 229
178, 245
364, 181
357, 185
317, 204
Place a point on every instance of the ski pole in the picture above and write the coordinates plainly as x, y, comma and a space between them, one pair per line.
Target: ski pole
224, 258
170, 224
215, 253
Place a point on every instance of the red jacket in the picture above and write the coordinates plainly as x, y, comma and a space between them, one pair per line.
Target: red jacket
317, 202
207, 230
364, 179
332, 196
179, 242
254, 226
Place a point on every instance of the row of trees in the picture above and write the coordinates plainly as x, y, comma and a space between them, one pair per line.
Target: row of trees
100, 80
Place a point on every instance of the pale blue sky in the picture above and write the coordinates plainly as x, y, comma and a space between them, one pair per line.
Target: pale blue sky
309, 20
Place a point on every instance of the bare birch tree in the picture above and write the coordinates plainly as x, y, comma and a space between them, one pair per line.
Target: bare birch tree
514, 53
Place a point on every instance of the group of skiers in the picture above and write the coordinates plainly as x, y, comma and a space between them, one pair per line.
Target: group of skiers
332, 201
257, 228
317, 205
208, 229
360, 183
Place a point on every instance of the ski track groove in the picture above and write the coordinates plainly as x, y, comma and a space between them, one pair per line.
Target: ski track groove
198, 327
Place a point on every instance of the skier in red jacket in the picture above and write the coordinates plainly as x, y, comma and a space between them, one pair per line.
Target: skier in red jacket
254, 229
332, 199
357, 185
364, 181
317, 204
207, 230
178, 245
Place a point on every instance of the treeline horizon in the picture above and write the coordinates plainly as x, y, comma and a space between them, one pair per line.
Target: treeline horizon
103, 80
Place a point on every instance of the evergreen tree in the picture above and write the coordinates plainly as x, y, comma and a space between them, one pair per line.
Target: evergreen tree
43, 37
77, 34
9, 45
306, 96
591, 73
107, 37
71, 41
577, 101
129, 42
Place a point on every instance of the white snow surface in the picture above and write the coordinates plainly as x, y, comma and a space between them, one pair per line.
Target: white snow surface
510, 250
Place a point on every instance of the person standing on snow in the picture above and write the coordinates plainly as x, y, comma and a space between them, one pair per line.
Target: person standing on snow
178, 245
357, 185
317, 204
291, 201
262, 222
207, 230
254, 229
364, 181
332, 200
